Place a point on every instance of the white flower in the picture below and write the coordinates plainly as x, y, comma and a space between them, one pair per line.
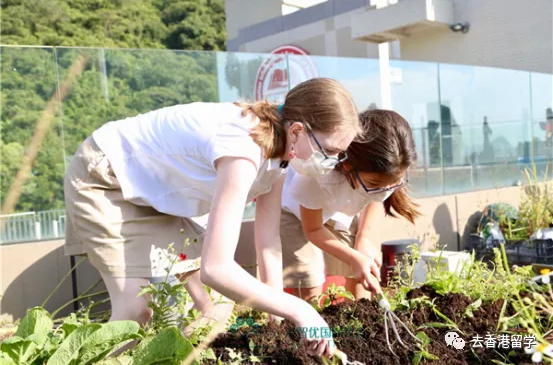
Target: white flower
545, 276
538, 351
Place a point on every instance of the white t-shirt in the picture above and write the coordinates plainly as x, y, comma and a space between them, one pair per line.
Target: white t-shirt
165, 158
331, 192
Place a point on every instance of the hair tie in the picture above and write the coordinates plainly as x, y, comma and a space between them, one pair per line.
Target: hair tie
280, 108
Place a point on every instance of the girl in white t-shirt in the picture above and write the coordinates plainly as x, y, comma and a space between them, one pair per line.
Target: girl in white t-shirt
134, 185
335, 218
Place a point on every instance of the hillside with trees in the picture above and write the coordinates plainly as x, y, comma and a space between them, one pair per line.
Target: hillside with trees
143, 55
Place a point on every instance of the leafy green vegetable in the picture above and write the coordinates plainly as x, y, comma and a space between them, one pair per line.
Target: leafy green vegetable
6, 360
20, 350
37, 321
119, 360
169, 345
69, 349
111, 336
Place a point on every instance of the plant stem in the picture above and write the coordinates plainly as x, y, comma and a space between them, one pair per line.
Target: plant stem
91, 287
517, 294
76, 299
61, 282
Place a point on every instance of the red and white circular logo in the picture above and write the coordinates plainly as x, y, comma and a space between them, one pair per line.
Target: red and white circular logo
279, 73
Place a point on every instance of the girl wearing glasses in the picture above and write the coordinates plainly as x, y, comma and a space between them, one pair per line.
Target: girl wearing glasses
134, 185
334, 219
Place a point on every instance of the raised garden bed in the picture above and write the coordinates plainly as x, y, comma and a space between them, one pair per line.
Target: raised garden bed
364, 337
478, 304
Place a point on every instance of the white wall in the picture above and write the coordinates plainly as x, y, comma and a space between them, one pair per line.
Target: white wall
335, 33
514, 34
241, 13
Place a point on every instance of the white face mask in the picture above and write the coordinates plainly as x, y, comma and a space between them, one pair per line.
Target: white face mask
378, 197
312, 166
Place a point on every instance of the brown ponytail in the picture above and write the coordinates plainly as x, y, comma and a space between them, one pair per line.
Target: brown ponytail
322, 103
402, 204
270, 133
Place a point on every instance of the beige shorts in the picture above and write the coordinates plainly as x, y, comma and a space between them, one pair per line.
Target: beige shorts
119, 238
303, 262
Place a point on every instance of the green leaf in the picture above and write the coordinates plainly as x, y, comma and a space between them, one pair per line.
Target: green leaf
423, 337
119, 360
68, 328
169, 343
254, 359
348, 295
147, 290
469, 311
51, 345
327, 301
37, 321
110, 337
417, 359
315, 303
19, 350
429, 356
209, 354
251, 345
68, 351
6, 360
438, 325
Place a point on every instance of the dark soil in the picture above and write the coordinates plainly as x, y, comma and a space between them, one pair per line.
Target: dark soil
363, 338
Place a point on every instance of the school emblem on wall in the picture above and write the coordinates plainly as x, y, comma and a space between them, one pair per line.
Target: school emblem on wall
279, 73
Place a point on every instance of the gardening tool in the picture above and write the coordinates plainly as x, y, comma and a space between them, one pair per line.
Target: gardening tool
344, 358
390, 316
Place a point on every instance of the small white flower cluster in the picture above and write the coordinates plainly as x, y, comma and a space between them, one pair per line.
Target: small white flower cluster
539, 351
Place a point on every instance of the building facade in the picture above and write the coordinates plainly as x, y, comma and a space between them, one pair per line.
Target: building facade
512, 34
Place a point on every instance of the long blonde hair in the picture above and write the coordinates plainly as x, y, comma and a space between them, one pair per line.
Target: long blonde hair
323, 103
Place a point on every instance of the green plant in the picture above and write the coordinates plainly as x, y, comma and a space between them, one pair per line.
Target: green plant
331, 296
472, 278
422, 352
170, 304
531, 311
535, 210
74, 342
419, 302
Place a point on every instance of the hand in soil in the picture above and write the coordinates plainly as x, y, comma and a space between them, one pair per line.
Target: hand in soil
313, 338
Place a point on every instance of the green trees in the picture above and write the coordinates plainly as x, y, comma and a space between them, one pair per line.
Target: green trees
116, 83
173, 24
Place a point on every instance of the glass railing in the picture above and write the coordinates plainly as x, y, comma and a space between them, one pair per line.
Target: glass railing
475, 127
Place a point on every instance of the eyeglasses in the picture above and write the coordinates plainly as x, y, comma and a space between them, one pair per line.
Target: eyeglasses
329, 161
402, 183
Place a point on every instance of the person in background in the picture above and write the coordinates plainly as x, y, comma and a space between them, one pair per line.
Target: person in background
134, 185
336, 218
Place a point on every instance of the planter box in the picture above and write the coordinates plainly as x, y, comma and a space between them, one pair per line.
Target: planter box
451, 260
519, 252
